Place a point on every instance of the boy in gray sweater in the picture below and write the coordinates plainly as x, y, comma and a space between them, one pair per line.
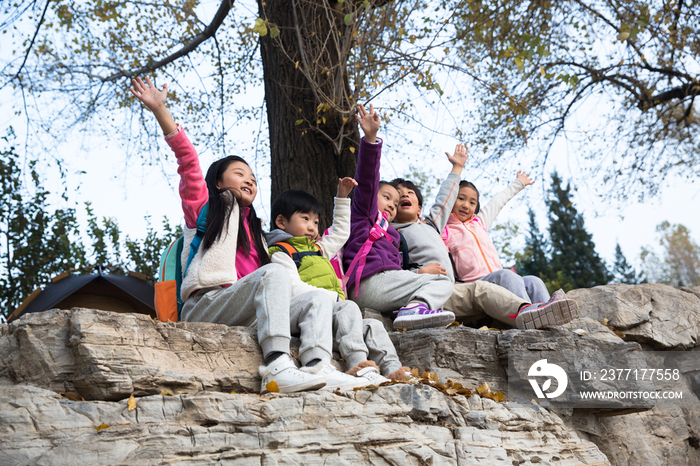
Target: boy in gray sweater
427, 254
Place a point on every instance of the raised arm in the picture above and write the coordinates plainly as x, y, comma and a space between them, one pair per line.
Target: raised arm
368, 159
154, 100
491, 210
449, 189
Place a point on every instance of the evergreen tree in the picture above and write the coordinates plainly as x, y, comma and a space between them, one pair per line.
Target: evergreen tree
533, 260
622, 270
573, 250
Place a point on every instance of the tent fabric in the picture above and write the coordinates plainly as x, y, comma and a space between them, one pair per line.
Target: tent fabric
56, 292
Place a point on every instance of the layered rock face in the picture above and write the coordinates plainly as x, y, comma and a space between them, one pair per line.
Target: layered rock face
195, 393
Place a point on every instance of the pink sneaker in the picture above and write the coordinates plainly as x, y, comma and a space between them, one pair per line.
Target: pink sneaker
556, 311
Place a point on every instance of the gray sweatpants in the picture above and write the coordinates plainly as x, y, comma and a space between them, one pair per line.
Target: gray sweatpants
262, 299
472, 301
358, 340
392, 289
529, 287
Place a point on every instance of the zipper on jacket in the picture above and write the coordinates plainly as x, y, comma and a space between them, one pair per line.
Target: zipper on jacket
480, 250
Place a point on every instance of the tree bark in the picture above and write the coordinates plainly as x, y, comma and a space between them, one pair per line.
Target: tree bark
301, 158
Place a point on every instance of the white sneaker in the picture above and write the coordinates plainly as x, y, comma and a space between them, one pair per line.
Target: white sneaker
373, 375
336, 380
288, 378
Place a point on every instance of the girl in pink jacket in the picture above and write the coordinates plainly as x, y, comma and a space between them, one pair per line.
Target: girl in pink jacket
475, 256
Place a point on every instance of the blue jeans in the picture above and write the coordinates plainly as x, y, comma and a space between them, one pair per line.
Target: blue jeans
529, 288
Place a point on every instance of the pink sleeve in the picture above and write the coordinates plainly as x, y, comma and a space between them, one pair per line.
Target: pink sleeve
193, 188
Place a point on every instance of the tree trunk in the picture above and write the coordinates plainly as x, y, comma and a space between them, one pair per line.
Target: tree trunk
301, 157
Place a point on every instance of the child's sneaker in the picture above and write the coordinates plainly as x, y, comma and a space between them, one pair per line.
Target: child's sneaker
287, 377
558, 295
554, 312
372, 374
336, 380
419, 316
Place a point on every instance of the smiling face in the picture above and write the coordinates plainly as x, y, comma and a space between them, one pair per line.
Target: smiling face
388, 200
239, 179
466, 203
301, 224
409, 207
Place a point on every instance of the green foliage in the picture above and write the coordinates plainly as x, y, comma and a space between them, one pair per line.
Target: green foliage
679, 264
504, 237
37, 243
573, 251
622, 270
533, 260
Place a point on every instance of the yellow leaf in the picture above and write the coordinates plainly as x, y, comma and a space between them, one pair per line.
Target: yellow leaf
433, 377
451, 391
483, 389
131, 404
272, 387
415, 371
352, 149
453, 324
296, 65
605, 321
485, 327
166, 393
71, 396
232, 393
101, 426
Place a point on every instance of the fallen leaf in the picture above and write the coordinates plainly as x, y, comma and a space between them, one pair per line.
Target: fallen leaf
232, 393
166, 393
101, 426
415, 372
453, 324
131, 404
483, 328
71, 396
272, 387
605, 321
483, 389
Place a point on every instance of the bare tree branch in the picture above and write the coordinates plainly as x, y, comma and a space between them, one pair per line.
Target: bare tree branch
31, 44
208, 32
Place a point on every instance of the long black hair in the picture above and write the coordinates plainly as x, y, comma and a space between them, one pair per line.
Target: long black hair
220, 207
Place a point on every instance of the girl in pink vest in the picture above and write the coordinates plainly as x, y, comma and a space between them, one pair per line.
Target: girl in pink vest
475, 256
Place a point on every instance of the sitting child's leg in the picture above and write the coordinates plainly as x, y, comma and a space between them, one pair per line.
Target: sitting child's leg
510, 281
354, 341
311, 315
536, 289
347, 333
395, 290
382, 350
471, 299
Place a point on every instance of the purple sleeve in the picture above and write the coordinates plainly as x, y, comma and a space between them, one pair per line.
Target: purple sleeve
193, 188
367, 177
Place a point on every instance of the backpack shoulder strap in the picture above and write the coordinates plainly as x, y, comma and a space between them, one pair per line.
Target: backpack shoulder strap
294, 253
197, 240
406, 264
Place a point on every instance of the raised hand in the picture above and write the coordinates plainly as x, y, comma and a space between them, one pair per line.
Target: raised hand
345, 186
369, 122
154, 100
148, 94
458, 159
525, 178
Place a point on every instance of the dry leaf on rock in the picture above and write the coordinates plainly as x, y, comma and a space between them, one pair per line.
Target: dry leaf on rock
166, 393
131, 404
101, 426
272, 387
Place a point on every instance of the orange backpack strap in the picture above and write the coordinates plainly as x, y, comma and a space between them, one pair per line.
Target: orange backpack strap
295, 254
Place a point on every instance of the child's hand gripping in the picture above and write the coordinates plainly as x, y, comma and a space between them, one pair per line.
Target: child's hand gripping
345, 186
154, 100
369, 122
458, 159
525, 178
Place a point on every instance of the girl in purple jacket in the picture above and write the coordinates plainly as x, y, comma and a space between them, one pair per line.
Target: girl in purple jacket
371, 256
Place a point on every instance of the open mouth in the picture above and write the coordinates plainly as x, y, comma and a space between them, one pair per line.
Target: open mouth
406, 203
247, 190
